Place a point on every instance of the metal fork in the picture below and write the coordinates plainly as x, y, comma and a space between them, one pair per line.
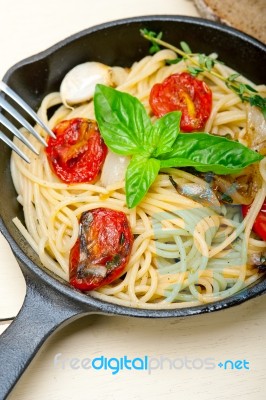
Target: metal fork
15, 114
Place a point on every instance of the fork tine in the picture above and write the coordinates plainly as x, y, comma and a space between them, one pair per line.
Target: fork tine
14, 147
17, 133
25, 106
11, 110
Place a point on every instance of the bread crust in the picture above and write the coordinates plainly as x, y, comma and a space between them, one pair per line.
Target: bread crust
245, 15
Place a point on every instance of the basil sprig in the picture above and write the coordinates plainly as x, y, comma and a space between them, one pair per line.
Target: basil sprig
127, 130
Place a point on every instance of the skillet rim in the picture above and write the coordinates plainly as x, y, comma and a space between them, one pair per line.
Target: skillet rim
100, 306
166, 17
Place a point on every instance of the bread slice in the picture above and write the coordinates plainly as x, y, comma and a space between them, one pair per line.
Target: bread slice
246, 15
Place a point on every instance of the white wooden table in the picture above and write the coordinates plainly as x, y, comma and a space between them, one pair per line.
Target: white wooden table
27, 27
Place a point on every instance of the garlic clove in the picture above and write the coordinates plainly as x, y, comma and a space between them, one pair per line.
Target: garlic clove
114, 168
79, 83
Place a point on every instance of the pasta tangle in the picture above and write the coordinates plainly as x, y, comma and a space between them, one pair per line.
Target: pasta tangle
184, 253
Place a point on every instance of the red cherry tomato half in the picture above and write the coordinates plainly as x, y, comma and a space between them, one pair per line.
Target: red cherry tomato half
78, 151
102, 250
183, 92
259, 226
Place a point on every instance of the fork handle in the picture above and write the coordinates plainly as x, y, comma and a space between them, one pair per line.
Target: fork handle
43, 311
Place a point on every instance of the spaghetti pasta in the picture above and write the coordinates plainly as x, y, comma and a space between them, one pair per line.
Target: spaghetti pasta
184, 253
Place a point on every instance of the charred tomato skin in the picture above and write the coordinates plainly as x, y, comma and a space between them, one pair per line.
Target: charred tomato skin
102, 250
183, 92
259, 226
77, 153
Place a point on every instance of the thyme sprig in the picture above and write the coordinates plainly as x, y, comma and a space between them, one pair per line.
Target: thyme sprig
202, 63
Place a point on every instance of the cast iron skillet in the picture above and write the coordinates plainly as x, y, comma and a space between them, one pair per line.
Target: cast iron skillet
50, 302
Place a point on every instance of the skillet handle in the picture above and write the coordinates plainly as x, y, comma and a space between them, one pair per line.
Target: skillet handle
42, 312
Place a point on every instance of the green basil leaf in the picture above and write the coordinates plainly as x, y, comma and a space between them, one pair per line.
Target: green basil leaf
207, 152
163, 133
122, 120
140, 175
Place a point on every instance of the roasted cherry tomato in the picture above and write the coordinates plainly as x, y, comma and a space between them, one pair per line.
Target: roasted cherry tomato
183, 92
102, 250
78, 151
259, 226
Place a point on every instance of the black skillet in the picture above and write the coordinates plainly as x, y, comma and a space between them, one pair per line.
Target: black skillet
50, 302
